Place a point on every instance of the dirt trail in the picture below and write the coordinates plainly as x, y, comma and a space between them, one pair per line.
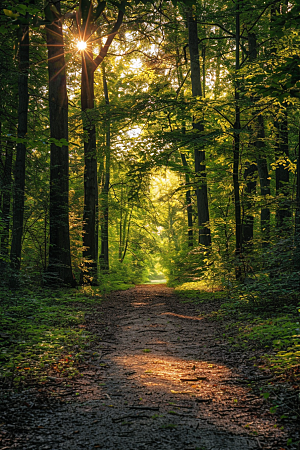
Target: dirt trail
159, 377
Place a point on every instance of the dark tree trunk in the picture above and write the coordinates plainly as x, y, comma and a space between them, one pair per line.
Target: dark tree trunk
189, 206
248, 222
263, 173
199, 155
59, 269
19, 171
261, 160
85, 20
104, 257
90, 252
297, 213
236, 154
6, 184
283, 213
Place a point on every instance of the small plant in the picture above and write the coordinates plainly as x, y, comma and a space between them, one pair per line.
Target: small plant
169, 425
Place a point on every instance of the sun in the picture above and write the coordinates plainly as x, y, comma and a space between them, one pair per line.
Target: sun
81, 45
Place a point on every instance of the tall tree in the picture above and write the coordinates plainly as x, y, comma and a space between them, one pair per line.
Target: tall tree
59, 266
199, 154
19, 170
236, 148
86, 19
104, 256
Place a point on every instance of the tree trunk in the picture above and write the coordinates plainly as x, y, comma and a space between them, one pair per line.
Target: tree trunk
261, 161
189, 206
263, 173
104, 257
283, 213
297, 212
5, 200
59, 269
199, 155
236, 154
19, 171
248, 222
86, 21
250, 171
90, 252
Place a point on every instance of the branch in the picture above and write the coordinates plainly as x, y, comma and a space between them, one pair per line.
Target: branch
103, 52
226, 118
182, 83
255, 117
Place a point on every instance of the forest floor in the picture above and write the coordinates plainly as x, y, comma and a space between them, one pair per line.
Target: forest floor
157, 374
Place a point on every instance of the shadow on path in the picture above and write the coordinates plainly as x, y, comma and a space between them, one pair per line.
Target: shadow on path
161, 379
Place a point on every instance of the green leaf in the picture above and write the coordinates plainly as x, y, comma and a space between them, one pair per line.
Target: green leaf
10, 14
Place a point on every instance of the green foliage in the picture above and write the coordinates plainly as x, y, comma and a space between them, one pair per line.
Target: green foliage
200, 291
42, 332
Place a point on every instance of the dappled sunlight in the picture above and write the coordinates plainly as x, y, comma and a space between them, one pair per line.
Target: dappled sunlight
212, 389
138, 304
181, 316
196, 378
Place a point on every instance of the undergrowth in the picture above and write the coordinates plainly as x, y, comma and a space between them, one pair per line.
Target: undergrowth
43, 331
199, 292
256, 321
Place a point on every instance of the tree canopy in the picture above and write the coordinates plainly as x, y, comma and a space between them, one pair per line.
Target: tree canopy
143, 139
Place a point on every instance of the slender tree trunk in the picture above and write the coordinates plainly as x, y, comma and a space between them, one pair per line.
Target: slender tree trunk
19, 172
263, 173
189, 206
90, 252
261, 160
121, 225
250, 173
86, 18
297, 213
283, 213
104, 257
59, 269
236, 153
6, 184
199, 155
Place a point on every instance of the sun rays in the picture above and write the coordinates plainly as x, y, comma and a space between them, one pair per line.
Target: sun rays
81, 45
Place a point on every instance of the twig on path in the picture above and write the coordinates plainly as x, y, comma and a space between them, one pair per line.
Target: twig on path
151, 408
150, 329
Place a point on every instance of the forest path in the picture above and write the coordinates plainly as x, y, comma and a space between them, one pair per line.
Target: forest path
158, 376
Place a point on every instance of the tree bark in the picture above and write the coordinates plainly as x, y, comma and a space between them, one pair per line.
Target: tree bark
59, 269
199, 155
248, 220
90, 252
297, 212
263, 173
6, 185
236, 153
19, 171
104, 257
258, 136
189, 206
283, 213
85, 21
